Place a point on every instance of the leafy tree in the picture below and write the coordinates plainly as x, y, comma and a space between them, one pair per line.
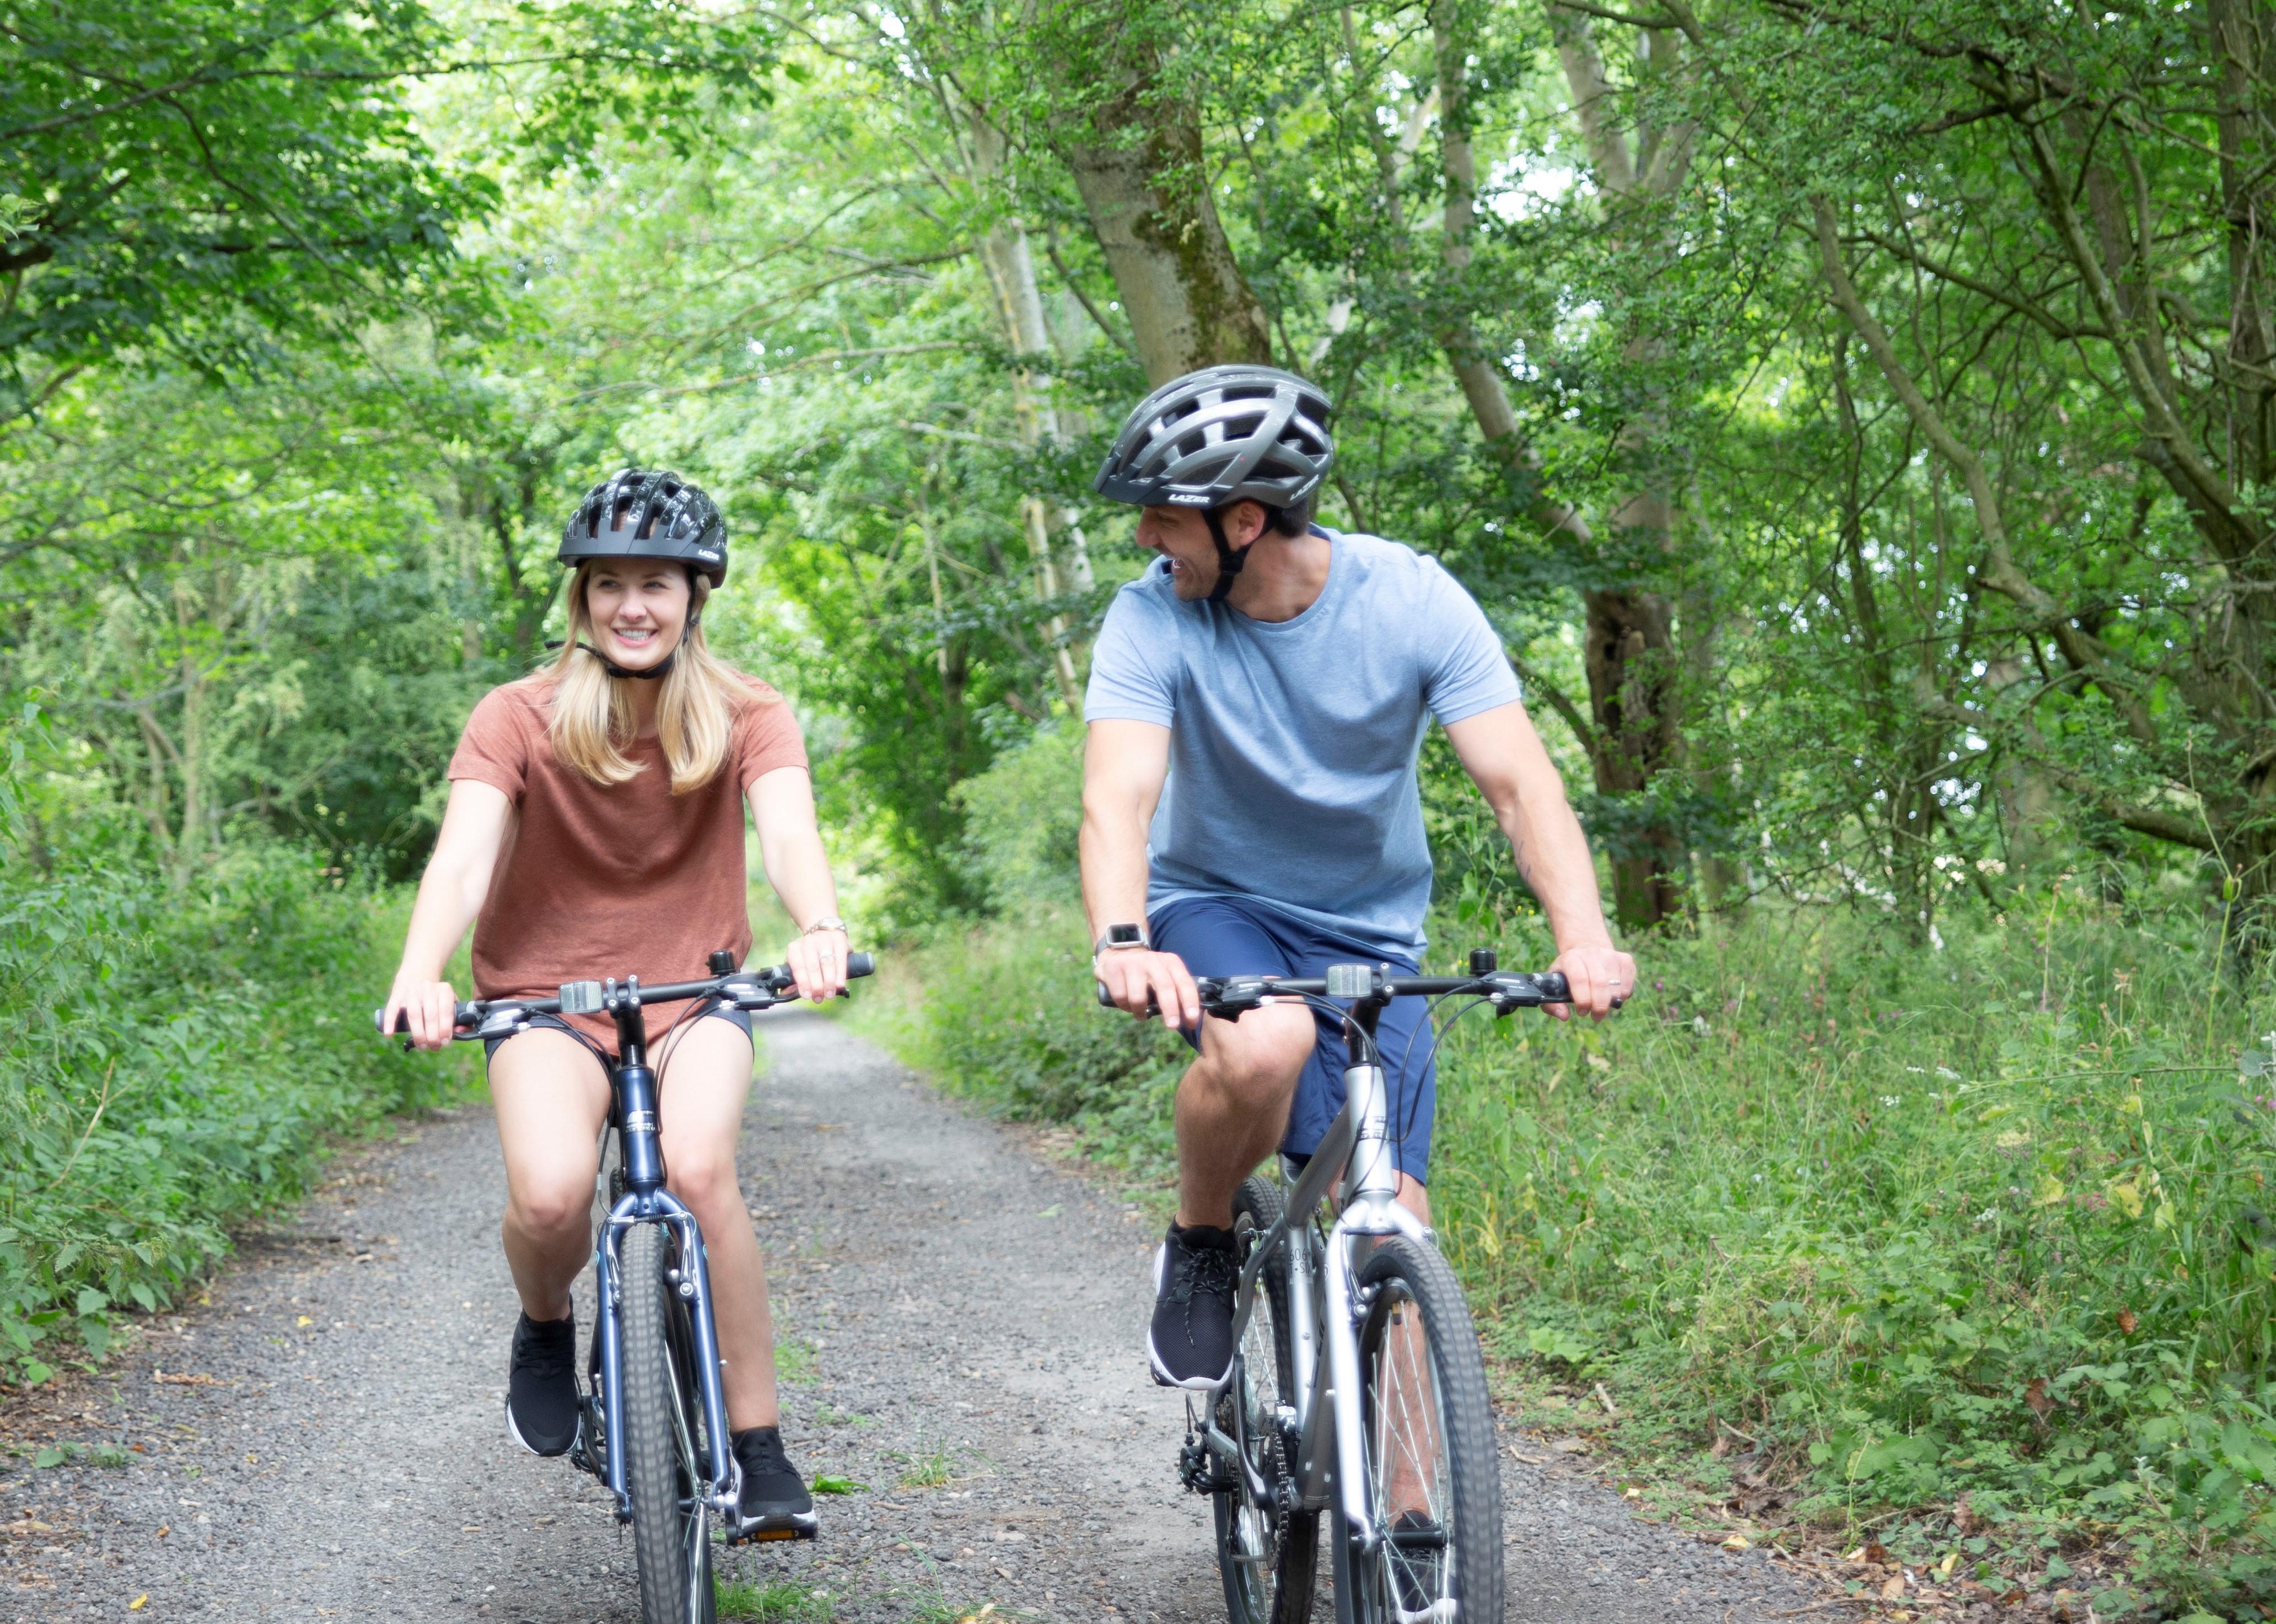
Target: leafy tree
205, 178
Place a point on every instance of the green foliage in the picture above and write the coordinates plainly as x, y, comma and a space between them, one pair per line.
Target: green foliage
1022, 816
1986, 1221
1008, 1020
671, 69
170, 1061
198, 174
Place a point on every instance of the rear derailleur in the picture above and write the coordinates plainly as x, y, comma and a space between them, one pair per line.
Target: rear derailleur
1198, 1466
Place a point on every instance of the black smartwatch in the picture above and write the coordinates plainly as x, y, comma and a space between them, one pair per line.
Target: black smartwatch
1119, 937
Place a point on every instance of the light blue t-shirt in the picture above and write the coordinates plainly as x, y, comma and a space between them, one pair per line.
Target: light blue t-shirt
1293, 743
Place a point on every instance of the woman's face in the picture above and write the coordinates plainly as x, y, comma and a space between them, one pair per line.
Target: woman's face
637, 608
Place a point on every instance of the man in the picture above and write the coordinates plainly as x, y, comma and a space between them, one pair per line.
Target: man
1257, 703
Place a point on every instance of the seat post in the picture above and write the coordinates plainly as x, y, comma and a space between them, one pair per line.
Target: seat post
636, 1094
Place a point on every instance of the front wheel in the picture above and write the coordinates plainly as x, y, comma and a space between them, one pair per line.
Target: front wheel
1267, 1551
664, 1459
1433, 1475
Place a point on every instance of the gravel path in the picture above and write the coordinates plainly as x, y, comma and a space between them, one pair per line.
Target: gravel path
962, 1329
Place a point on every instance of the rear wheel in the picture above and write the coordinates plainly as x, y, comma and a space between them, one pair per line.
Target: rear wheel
1267, 1551
664, 1447
1433, 1479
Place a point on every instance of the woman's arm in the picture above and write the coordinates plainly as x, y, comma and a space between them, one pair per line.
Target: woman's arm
451, 893
790, 848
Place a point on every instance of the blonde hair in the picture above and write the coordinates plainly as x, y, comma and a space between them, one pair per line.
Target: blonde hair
593, 715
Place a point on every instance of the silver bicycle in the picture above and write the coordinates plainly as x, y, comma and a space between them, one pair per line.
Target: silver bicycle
1357, 1391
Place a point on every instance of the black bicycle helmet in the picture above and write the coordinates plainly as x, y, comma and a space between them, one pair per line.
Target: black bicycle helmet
1236, 433
638, 514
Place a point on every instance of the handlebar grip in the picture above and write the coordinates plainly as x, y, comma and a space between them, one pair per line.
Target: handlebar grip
1106, 1001
857, 965
1554, 988
461, 1015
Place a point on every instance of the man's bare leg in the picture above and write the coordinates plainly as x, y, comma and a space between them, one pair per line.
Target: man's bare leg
1233, 1106
1408, 1431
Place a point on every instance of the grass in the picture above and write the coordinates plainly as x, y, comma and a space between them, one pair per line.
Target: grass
783, 1602
933, 1468
794, 1361
780, 1603
1969, 1247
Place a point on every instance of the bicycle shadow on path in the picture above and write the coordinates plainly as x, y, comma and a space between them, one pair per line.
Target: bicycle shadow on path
961, 1327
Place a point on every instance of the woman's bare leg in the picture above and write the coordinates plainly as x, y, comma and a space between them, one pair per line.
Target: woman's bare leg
550, 1097
707, 1078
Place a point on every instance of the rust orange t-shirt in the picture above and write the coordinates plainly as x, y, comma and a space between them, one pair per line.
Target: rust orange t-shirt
599, 880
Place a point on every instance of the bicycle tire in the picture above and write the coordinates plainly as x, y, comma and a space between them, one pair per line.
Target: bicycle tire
670, 1547
1443, 1565
1269, 1567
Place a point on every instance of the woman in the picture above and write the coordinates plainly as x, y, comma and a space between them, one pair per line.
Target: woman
594, 828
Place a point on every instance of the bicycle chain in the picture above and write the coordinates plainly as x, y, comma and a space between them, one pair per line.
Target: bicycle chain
1284, 1492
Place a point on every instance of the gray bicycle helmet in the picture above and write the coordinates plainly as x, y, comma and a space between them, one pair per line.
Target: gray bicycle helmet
638, 514
1237, 432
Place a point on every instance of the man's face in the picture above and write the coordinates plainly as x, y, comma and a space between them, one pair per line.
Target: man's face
1181, 534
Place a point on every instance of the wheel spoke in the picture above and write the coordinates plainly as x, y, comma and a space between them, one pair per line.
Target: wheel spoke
698, 1570
1410, 1576
1265, 1550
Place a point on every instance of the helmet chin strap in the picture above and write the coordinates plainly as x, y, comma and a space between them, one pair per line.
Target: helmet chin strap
654, 673
657, 673
1229, 562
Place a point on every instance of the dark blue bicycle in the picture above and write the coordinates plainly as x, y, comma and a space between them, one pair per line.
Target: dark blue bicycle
655, 1418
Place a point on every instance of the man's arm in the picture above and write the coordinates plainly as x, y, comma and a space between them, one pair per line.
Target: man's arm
1124, 766
1504, 758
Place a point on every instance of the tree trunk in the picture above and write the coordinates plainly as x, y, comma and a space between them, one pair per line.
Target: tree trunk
1150, 208
1630, 629
2027, 800
1011, 265
191, 618
1634, 691
2243, 46
1632, 673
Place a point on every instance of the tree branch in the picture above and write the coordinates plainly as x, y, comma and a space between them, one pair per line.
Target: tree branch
2155, 822
2055, 326
2001, 571
1557, 701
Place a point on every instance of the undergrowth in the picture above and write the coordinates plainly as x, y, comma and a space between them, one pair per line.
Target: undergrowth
170, 1061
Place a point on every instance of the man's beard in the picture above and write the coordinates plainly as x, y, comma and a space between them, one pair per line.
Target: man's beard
1186, 580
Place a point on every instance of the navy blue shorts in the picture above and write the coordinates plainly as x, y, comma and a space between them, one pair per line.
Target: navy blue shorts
1233, 936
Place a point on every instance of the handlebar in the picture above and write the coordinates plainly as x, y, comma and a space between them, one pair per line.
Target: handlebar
754, 990
1233, 996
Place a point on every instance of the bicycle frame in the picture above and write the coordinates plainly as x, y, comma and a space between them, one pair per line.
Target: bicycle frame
633, 1117
1327, 1422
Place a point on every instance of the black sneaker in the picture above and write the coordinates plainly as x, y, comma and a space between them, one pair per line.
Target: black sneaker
1190, 1342
775, 1504
540, 1385
1417, 1557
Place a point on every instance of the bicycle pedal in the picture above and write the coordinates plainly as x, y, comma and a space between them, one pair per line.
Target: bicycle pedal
590, 1451
768, 1535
